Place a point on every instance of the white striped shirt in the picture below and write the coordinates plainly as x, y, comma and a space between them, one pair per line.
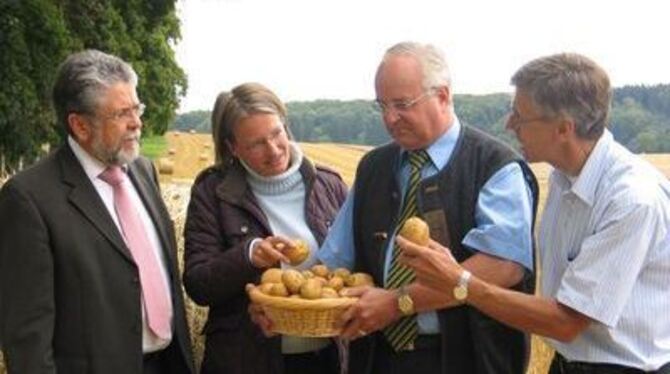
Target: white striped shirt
605, 252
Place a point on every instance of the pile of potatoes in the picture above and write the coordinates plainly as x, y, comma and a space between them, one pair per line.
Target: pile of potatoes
316, 283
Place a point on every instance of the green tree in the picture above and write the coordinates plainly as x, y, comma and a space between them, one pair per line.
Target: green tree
35, 35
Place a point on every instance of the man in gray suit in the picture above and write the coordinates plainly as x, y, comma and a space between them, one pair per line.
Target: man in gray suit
88, 276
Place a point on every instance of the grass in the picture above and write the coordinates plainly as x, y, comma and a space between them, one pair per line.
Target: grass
153, 146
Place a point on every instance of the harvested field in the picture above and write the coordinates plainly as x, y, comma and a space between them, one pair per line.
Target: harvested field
186, 152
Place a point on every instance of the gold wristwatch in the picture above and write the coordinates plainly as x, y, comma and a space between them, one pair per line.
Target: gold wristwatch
461, 289
405, 302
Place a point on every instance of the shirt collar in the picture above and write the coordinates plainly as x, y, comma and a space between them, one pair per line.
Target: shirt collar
584, 187
92, 166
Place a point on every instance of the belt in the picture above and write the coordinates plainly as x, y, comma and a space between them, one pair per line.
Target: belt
576, 367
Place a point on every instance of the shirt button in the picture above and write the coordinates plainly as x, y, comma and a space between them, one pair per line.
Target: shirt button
244, 229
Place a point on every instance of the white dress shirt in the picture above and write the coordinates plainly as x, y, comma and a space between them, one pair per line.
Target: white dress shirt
605, 252
93, 168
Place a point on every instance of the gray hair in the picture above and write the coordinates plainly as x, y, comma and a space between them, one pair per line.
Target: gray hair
241, 102
568, 85
434, 65
82, 77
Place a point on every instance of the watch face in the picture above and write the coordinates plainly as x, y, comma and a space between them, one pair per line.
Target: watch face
460, 293
406, 305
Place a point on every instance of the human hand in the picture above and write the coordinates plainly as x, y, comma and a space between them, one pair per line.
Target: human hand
261, 319
375, 309
268, 252
433, 265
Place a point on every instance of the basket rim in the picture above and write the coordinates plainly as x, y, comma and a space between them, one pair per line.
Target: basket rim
297, 303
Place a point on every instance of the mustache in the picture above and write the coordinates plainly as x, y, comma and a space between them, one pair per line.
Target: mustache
135, 135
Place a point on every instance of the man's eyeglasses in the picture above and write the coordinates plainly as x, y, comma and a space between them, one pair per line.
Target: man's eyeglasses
401, 105
126, 114
514, 120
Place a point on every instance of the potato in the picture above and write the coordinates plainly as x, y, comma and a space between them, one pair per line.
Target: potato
320, 270
416, 230
279, 289
359, 279
341, 272
307, 274
323, 281
297, 254
336, 283
293, 280
329, 293
271, 275
311, 289
266, 288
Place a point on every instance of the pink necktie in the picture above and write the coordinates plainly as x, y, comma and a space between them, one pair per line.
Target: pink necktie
156, 300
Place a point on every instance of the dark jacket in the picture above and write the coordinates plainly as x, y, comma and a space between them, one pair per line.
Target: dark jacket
70, 289
471, 341
223, 217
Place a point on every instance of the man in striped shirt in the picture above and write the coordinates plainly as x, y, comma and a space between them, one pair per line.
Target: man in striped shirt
604, 235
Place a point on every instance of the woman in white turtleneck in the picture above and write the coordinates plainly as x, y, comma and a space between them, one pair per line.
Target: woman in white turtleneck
262, 191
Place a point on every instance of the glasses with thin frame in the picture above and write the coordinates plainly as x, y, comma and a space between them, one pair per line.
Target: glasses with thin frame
515, 121
126, 114
401, 105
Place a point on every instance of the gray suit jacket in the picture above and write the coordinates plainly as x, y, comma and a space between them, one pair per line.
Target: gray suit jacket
69, 288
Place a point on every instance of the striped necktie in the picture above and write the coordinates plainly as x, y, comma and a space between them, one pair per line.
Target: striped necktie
401, 334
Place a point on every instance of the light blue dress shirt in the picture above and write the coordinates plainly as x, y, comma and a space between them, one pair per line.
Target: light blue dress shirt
503, 217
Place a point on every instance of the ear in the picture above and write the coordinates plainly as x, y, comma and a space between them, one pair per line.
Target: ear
443, 94
80, 127
566, 129
231, 147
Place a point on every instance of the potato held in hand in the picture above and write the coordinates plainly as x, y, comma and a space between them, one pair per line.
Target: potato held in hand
298, 253
416, 230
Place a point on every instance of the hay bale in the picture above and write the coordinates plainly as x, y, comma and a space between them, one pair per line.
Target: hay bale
165, 165
203, 156
172, 151
192, 131
207, 145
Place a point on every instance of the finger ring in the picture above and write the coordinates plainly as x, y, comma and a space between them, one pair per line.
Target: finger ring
362, 332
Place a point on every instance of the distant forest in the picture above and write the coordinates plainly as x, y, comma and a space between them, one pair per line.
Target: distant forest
640, 118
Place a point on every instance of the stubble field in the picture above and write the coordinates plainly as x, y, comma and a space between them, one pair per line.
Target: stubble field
190, 153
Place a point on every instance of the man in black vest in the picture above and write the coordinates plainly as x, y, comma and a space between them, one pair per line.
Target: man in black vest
477, 196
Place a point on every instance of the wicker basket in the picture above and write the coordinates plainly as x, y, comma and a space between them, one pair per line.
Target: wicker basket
301, 317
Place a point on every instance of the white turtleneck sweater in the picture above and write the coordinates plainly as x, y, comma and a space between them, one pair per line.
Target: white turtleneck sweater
282, 199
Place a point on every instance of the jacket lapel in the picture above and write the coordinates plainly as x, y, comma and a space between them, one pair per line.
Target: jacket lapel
85, 198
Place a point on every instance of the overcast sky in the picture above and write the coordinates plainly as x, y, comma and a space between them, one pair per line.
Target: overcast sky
311, 49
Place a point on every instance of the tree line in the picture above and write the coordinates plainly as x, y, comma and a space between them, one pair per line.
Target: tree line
36, 35
640, 118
